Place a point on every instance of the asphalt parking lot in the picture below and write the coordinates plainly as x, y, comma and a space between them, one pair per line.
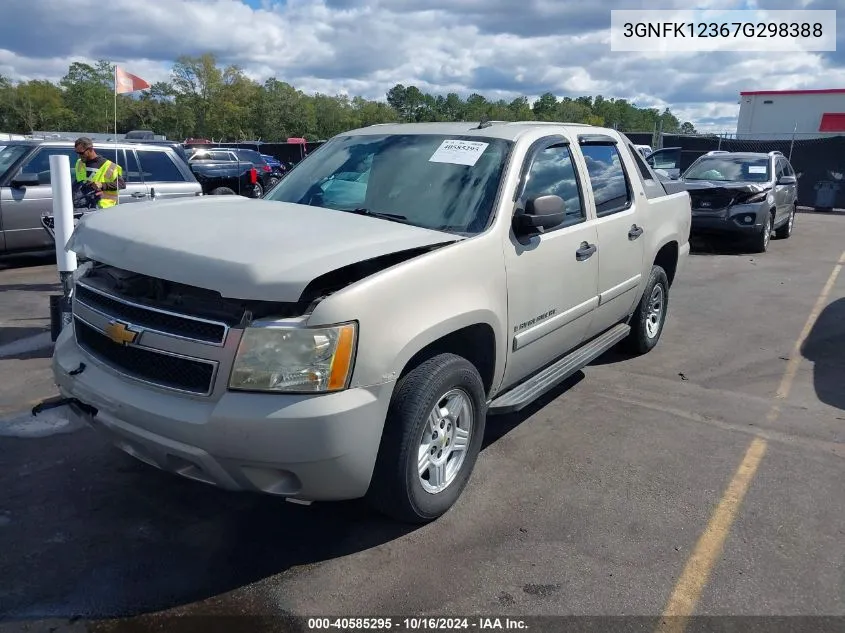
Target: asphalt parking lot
708, 473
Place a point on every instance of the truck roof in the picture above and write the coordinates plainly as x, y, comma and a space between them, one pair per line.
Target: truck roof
507, 130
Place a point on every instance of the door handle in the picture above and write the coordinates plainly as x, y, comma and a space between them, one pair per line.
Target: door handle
585, 252
139, 194
635, 232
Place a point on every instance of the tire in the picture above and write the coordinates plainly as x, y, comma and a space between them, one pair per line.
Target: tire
786, 230
760, 242
650, 316
257, 191
223, 191
273, 182
398, 489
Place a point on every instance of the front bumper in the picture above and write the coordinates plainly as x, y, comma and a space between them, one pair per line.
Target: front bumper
734, 220
311, 448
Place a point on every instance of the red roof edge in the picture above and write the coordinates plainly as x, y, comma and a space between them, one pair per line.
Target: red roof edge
832, 122
828, 91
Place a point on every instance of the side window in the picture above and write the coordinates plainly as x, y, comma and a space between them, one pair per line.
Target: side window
552, 172
156, 166
638, 158
131, 169
40, 162
608, 179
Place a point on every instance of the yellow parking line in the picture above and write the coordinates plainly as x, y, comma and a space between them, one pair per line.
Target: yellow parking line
708, 549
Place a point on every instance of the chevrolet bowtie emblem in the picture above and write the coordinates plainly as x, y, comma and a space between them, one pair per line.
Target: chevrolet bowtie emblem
120, 333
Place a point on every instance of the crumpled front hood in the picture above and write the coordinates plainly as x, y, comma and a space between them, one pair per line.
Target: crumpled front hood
241, 248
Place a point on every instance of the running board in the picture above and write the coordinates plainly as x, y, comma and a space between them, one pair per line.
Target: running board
527, 392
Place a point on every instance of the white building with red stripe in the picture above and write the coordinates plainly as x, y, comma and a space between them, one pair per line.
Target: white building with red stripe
778, 114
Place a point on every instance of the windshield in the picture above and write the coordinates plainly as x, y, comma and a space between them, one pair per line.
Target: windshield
10, 154
446, 183
730, 169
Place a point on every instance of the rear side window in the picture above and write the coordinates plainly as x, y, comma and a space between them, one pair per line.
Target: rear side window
638, 158
158, 167
39, 163
607, 177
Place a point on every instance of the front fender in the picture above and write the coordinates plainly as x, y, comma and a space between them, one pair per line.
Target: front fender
402, 309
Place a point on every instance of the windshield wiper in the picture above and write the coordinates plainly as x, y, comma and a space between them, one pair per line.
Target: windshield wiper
378, 214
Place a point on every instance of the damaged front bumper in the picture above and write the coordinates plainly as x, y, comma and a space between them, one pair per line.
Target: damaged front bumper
300, 447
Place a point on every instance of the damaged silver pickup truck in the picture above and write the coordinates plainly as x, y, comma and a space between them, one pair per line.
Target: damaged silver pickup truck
347, 336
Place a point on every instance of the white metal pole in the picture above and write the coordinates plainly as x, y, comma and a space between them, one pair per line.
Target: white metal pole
62, 228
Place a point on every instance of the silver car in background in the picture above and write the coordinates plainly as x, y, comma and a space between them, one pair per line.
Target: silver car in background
26, 194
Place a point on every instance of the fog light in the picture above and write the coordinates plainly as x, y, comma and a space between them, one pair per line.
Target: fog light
748, 219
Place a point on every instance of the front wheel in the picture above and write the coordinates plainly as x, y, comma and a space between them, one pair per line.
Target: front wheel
761, 240
650, 316
432, 437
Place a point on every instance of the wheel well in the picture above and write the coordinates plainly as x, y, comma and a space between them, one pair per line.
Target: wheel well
667, 259
476, 343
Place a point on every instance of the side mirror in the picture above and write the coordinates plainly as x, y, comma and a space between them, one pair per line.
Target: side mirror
787, 180
26, 180
543, 212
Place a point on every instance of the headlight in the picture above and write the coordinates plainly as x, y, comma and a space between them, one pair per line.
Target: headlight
287, 359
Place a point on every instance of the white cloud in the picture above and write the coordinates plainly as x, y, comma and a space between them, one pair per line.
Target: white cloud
498, 48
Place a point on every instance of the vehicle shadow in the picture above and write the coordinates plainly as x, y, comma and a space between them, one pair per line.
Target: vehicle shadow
25, 343
91, 533
28, 260
52, 287
825, 347
704, 246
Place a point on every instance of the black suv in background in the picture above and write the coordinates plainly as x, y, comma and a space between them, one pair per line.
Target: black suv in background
742, 194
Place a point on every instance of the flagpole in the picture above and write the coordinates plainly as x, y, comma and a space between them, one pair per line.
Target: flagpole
115, 130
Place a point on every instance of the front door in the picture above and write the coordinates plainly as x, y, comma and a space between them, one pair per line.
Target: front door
620, 227
24, 206
552, 277
783, 194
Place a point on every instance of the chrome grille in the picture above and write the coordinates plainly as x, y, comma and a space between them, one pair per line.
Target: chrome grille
152, 319
156, 367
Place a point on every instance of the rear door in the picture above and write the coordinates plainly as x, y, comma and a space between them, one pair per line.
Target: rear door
136, 189
620, 224
23, 207
162, 174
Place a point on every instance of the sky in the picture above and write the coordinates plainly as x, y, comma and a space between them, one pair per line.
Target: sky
498, 48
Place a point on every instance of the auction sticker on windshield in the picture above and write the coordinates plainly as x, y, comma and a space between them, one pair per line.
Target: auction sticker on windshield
756, 169
458, 152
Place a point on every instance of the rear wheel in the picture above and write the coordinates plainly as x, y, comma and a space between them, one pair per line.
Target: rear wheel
432, 437
650, 315
786, 230
223, 191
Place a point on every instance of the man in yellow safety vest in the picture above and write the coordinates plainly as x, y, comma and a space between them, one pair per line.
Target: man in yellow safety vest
103, 176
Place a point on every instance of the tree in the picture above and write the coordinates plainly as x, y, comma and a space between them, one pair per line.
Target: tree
206, 99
